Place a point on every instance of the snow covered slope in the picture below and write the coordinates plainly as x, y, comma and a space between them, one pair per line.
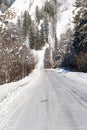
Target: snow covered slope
65, 16
19, 7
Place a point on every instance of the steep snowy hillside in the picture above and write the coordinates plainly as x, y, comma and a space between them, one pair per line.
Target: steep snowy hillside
65, 16
65, 10
18, 8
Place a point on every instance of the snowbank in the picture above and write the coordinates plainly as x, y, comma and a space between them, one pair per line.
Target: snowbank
14, 95
79, 77
7, 91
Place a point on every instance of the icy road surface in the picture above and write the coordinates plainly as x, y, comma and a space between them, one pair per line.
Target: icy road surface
57, 101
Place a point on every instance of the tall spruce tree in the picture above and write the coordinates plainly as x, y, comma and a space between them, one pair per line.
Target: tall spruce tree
46, 29
37, 38
78, 3
31, 37
80, 31
42, 38
80, 36
37, 14
0, 2
26, 23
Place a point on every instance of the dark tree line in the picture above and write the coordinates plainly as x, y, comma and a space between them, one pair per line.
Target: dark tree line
7, 2
76, 59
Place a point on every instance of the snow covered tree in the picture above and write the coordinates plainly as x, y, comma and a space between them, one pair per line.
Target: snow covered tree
19, 22
37, 38
16, 59
26, 23
42, 38
62, 53
49, 8
38, 15
78, 3
80, 31
78, 57
31, 37
56, 41
46, 29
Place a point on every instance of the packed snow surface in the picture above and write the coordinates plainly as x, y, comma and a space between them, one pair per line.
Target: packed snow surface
46, 99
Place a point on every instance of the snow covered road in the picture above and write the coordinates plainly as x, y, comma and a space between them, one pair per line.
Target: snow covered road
58, 101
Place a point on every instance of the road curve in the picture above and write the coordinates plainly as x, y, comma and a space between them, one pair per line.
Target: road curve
56, 104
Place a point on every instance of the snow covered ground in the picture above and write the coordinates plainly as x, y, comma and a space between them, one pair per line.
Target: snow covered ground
76, 76
12, 94
46, 99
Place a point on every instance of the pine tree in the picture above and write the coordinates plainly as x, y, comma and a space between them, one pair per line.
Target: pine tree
19, 22
78, 3
37, 39
56, 41
6, 2
49, 8
31, 37
80, 37
37, 14
46, 29
0, 2
26, 23
80, 31
42, 38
